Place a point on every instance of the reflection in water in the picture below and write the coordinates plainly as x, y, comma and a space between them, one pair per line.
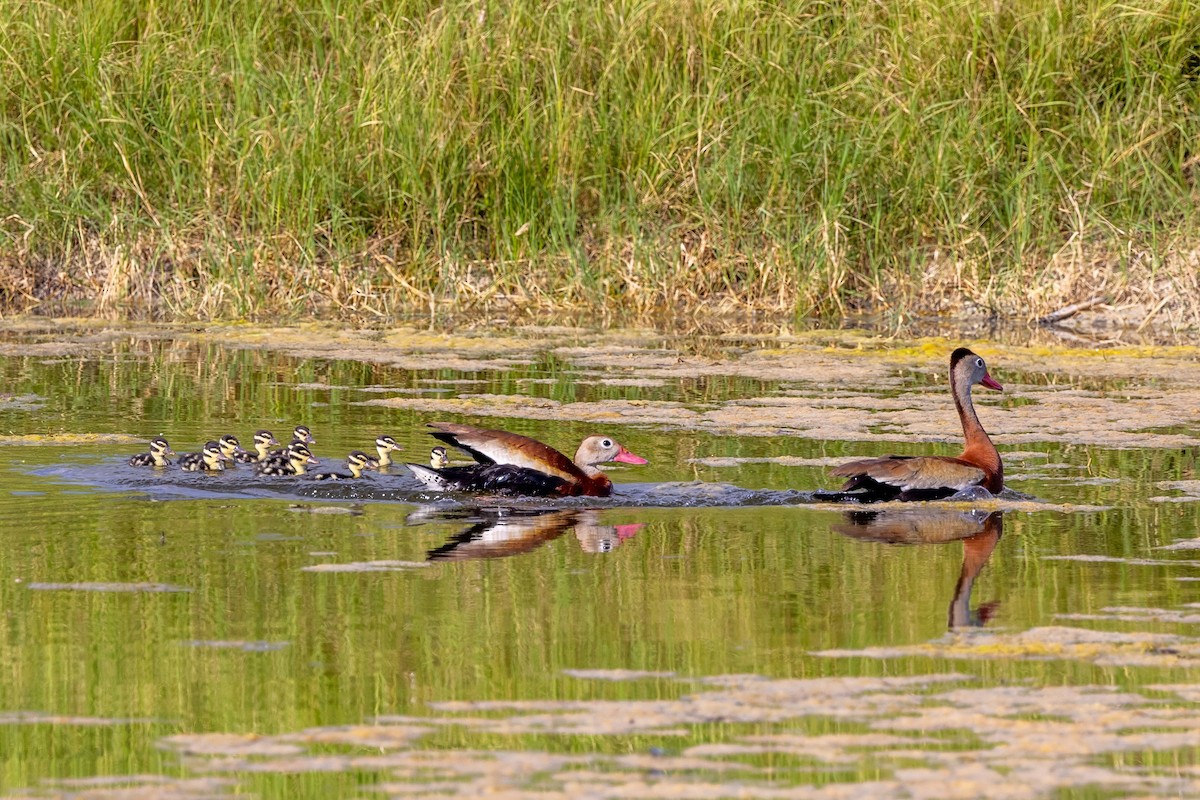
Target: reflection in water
501, 532
979, 531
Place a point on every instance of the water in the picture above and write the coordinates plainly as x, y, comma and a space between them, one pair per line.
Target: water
705, 632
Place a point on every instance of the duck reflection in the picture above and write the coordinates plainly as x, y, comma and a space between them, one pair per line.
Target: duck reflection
979, 531
503, 532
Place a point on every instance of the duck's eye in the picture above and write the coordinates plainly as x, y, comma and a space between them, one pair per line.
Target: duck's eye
606, 443
979, 362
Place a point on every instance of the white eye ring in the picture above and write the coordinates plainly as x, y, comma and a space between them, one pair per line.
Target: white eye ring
979, 362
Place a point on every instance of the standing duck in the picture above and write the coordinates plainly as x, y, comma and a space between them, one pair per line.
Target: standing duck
932, 477
292, 461
157, 457
517, 465
356, 462
209, 459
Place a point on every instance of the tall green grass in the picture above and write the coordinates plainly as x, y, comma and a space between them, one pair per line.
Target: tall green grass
247, 157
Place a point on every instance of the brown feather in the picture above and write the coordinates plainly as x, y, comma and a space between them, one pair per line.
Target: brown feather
503, 447
919, 472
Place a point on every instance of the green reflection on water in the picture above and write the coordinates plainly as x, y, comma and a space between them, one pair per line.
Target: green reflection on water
257, 643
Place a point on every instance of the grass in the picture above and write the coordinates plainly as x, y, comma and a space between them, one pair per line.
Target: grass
196, 158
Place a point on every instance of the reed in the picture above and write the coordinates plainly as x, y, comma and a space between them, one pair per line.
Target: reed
235, 158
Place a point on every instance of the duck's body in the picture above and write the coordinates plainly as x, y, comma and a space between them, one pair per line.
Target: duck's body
209, 459
295, 461
511, 464
932, 477
384, 446
263, 442
356, 462
157, 457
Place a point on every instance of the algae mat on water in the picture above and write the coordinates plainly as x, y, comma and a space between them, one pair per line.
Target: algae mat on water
706, 633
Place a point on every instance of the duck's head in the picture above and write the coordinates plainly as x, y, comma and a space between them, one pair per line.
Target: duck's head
597, 450
385, 443
361, 460
438, 459
212, 455
229, 444
302, 433
300, 455
968, 369
159, 446
264, 439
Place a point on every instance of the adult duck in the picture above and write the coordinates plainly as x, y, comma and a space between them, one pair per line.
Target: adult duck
511, 464
870, 480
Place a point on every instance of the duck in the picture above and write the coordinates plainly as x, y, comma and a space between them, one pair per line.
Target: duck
871, 480
209, 459
264, 440
302, 433
356, 462
511, 464
293, 461
438, 458
230, 446
157, 457
384, 445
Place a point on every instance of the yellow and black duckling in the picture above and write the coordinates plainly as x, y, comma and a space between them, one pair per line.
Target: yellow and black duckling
356, 462
210, 459
384, 445
438, 459
302, 433
263, 442
292, 461
230, 447
157, 457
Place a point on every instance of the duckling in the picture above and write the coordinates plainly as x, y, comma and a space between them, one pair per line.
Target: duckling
263, 442
302, 433
384, 445
157, 457
356, 462
295, 459
210, 459
230, 446
438, 459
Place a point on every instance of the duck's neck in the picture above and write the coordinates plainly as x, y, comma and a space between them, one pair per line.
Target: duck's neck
160, 460
355, 469
263, 448
978, 447
300, 466
384, 457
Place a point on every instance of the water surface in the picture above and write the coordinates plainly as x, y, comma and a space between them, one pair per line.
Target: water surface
707, 632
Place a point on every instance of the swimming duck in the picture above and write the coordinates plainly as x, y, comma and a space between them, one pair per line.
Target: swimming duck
264, 440
356, 462
932, 477
209, 459
302, 433
384, 445
157, 457
292, 461
438, 459
517, 465
230, 446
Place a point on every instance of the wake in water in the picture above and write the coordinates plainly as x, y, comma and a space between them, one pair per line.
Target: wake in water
398, 486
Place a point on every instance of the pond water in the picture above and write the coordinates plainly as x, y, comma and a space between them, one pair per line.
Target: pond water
706, 632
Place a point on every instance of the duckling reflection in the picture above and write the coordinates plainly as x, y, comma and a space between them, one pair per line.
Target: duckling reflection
979, 531
503, 532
